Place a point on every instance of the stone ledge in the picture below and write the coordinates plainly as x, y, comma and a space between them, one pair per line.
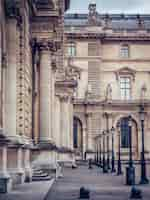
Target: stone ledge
45, 145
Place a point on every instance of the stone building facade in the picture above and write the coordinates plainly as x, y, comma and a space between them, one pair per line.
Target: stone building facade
112, 53
36, 109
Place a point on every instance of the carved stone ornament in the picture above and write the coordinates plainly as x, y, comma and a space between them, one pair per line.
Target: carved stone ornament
109, 92
125, 71
49, 45
143, 91
93, 18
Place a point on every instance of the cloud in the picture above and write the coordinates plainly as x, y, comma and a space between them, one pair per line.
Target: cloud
112, 6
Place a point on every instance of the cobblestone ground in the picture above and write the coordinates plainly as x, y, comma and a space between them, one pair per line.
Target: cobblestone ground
102, 186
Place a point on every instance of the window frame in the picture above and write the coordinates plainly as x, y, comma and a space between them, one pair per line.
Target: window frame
124, 131
71, 52
128, 96
124, 51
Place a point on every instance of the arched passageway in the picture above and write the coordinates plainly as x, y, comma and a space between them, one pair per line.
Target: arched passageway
124, 139
78, 137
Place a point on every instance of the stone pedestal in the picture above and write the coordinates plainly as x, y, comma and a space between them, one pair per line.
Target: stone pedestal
27, 166
5, 179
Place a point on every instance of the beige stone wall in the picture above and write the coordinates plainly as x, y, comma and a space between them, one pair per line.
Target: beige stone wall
110, 63
139, 61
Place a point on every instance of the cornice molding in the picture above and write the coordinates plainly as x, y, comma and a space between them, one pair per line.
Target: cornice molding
48, 45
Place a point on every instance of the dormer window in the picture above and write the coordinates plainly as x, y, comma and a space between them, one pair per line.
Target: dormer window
124, 51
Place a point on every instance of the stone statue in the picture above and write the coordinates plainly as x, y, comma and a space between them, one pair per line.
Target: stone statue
109, 92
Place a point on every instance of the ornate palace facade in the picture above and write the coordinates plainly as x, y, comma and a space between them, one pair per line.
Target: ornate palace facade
112, 53
36, 113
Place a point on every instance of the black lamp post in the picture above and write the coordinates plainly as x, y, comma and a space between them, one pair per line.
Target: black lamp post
100, 152
119, 167
105, 170
97, 154
108, 151
130, 170
144, 179
112, 151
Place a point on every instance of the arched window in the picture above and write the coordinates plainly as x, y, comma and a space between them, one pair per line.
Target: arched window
77, 134
124, 133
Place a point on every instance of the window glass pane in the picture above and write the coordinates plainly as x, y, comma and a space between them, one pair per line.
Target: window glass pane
124, 133
71, 49
125, 88
124, 51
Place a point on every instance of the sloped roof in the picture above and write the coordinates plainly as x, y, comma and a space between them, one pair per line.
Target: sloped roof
116, 21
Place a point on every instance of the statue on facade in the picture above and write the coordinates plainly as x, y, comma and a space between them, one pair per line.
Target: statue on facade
143, 91
93, 17
109, 92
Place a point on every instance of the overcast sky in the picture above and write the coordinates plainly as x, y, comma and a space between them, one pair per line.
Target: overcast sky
112, 6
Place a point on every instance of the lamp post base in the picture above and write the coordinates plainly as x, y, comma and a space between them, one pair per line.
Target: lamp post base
135, 193
130, 175
119, 170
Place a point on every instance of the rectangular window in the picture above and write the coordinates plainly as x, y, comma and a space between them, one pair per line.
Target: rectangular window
124, 51
125, 88
71, 49
93, 49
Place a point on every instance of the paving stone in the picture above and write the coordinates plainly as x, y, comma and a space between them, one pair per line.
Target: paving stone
102, 186
29, 191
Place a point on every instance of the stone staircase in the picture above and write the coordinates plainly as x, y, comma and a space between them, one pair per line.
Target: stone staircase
40, 175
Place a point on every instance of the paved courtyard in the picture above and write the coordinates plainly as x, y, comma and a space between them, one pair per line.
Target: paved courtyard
102, 186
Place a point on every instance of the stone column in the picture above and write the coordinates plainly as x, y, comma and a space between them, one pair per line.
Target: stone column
28, 170
71, 123
11, 78
57, 118
45, 93
89, 129
84, 130
4, 161
64, 122
19, 160
1, 68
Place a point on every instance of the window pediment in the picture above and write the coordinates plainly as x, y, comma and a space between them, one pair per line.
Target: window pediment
125, 71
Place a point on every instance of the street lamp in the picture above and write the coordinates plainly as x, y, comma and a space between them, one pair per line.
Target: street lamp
105, 170
108, 158
119, 167
97, 155
130, 170
112, 151
144, 179
100, 152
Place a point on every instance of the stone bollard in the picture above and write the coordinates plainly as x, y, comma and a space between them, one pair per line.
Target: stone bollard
135, 193
90, 163
84, 193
